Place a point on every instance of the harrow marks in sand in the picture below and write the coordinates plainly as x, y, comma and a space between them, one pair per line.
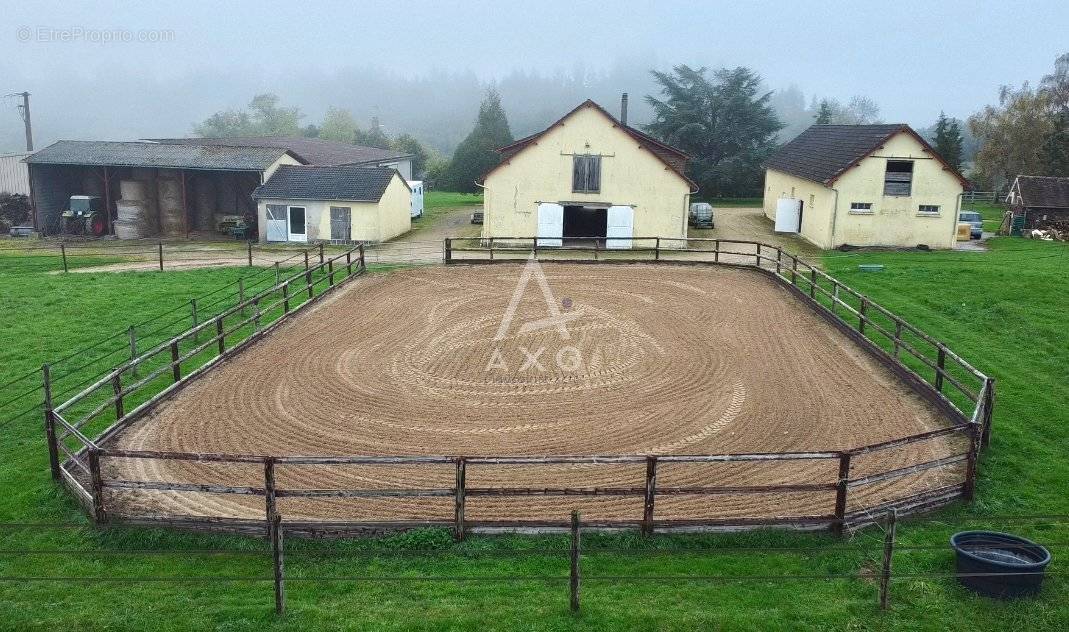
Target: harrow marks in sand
604, 359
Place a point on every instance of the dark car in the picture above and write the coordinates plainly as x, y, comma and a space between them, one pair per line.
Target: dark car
972, 218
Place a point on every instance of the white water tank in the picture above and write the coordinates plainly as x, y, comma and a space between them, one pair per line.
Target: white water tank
788, 215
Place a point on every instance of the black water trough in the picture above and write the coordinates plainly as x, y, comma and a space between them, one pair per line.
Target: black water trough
999, 565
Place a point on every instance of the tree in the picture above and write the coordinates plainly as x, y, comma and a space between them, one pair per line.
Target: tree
725, 123
264, 117
1055, 88
860, 111
407, 144
339, 125
825, 113
476, 154
1013, 134
948, 140
373, 137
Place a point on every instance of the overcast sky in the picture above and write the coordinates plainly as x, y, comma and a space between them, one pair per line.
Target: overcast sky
913, 58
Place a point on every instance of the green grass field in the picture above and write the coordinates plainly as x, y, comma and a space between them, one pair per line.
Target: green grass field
1004, 310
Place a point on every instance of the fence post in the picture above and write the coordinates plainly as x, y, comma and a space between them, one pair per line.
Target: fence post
972, 454
308, 282
278, 274
96, 485
779, 258
330, 272
840, 493
716, 251
250, 253
757, 257
50, 423
63, 253
220, 334
794, 270
161, 256
349, 263
812, 283
656, 248
596, 248
320, 253
861, 315
458, 510
989, 408
116, 387
278, 553
650, 496
574, 558
193, 316
176, 366
133, 349
363, 266
491, 250
305, 258
888, 554
286, 297
940, 363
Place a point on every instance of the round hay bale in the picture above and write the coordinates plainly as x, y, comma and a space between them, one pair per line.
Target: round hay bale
132, 190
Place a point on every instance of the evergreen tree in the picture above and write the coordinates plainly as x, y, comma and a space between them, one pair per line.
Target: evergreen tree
476, 154
948, 140
825, 113
725, 123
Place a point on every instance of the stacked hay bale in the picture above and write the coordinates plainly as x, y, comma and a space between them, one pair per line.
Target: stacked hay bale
130, 210
169, 198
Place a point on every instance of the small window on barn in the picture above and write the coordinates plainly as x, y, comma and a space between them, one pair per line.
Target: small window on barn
861, 208
586, 173
898, 180
928, 209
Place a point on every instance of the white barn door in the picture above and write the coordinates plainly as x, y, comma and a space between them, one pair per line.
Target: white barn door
277, 227
550, 224
619, 227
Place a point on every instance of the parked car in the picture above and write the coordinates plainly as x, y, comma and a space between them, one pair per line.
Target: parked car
701, 215
972, 218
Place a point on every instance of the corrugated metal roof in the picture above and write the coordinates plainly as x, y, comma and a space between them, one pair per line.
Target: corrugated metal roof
145, 154
347, 182
313, 151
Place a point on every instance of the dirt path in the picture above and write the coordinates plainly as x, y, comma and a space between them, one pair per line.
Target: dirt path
651, 360
751, 224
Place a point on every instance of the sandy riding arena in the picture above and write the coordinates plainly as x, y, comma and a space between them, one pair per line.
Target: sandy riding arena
558, 359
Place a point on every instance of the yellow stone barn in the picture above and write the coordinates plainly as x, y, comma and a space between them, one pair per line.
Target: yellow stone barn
589, 175
863, 185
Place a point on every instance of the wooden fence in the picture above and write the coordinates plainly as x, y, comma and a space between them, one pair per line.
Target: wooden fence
906, 350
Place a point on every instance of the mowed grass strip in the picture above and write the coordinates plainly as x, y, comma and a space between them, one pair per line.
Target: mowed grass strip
1004, 310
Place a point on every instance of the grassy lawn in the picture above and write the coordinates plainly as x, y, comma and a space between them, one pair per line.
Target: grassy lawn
730, 202
1004, 310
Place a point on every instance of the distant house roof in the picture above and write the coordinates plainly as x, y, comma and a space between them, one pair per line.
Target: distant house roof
673, 158
822, 153
344, 182
1042, 191
313, 151
144, 154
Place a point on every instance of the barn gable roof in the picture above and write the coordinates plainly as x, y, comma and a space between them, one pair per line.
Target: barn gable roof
673, 158
144, 154
344, 182
823, 153
1043, 191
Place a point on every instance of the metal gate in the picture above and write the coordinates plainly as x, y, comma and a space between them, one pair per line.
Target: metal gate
341, 223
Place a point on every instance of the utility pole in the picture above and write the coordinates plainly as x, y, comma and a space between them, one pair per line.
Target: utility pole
24, 110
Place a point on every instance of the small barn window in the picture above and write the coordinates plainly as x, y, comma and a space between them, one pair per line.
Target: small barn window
898, 180
586, 173
928, 209
861, 208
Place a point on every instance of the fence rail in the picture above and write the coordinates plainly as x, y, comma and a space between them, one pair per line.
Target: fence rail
79, 465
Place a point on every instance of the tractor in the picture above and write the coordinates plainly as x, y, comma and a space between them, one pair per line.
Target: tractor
85, 216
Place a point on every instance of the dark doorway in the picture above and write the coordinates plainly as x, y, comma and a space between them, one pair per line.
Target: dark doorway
581, 221
801, 209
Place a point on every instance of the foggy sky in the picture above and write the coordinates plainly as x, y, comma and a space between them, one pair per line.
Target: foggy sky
421, 66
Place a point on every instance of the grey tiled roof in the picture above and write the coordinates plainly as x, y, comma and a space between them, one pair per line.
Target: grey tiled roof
345, 182
313, 151
1044, 191
822, 152
143, 154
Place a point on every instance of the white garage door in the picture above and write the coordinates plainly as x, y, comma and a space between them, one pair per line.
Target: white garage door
619, 227
550, 224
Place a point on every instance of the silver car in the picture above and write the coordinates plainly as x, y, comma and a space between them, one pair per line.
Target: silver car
972, 218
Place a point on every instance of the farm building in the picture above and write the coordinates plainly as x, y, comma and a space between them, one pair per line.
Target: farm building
1043, 201
588, 175
341, 203
315, 151
170, 190
863, 185
14, 177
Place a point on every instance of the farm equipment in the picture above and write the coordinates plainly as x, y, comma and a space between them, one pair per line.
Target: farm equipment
85, 215
701, 215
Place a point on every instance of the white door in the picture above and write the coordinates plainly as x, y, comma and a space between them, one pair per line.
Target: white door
788, 216
298, 224
550, 224
276, 223
619, 227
